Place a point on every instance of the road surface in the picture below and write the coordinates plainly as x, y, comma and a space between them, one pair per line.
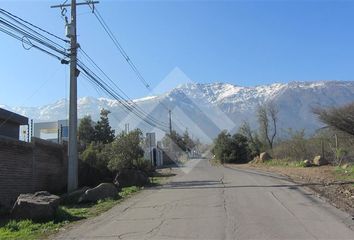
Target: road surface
216, 202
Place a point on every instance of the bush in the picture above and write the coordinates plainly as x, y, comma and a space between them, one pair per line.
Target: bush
124, 151
295, 148
94, 156
231, 149
93, 166
143, 165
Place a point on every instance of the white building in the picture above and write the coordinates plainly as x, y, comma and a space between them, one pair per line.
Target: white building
52, 131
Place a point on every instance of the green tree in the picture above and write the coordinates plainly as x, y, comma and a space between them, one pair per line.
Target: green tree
254, 143
240, 151
103, 131
125, 151
222, 146
94, 156
231, 149
86, 130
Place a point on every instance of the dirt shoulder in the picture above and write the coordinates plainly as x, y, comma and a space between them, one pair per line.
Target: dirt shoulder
326, 181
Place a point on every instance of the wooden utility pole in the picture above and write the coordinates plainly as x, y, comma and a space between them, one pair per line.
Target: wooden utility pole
72, 151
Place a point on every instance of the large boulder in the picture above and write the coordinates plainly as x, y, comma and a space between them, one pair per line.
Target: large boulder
307, 163
73, 197
102, 191
319, 161
40, 206
264, 156
131, 177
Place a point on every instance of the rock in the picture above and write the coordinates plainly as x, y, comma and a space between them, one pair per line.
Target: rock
40, 206
255, 160
264, 156
73, 197
102, 191
131, 177
319, 161
345, 166
307, 163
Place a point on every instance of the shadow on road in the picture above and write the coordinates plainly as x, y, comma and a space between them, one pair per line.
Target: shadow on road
217, 184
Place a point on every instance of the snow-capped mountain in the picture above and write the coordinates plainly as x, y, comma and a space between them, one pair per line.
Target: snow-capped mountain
205, 109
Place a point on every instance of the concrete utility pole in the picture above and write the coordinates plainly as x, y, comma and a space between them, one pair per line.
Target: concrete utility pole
73, 162
170, 121
72, 151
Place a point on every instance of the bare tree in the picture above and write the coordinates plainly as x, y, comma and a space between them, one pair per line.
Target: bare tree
340, 118
267, 118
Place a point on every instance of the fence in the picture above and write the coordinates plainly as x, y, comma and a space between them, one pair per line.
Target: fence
29, 167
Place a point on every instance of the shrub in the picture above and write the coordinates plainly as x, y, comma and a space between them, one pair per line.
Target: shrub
124, 151
231, 149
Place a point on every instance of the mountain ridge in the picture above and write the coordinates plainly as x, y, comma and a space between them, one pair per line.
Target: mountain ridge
207, 108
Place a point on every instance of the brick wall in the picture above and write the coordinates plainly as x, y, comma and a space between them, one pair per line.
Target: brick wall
29, 167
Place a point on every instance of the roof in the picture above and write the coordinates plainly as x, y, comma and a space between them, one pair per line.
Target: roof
8, 116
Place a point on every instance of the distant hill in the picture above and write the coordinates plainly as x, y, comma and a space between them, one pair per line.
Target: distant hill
205, 109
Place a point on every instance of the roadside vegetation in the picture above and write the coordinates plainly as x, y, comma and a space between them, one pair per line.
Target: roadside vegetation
27, 229
103, 157
323, 161
345, 173
70, 213
104, 154
288, 147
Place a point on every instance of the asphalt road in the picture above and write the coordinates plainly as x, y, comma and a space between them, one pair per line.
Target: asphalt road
220, 203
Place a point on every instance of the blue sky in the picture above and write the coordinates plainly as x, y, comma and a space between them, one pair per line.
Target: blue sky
241, 42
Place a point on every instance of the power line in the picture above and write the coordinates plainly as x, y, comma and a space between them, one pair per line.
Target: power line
108, 89
12, 19
17, 31
119, 46
32, 25
126, 108
14, 29
21, 39
130, 101
123, 52
25, 36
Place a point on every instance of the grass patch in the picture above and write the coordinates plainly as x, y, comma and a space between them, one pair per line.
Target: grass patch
345, 174
283, 163
27, 229
128, 191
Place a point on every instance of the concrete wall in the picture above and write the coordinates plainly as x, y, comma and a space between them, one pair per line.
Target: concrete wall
29, 167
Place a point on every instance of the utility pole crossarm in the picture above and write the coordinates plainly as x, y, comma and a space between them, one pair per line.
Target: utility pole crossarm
77, 4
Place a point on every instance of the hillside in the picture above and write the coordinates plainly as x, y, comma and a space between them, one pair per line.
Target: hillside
205, 109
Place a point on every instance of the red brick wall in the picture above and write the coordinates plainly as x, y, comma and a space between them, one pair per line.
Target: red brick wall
29, 167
